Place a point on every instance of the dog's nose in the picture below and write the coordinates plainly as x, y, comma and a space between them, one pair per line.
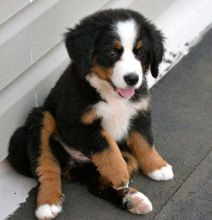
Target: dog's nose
131, 79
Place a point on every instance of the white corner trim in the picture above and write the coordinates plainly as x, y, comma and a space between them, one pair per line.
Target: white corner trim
183, 23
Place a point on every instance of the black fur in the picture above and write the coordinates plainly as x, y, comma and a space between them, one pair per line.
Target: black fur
18, 156
72, 96
92, 37
24, 144
142, 124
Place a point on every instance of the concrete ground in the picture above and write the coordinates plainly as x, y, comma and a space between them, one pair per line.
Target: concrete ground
182, 124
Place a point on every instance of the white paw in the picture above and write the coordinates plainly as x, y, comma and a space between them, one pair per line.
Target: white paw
163, 174
46, 212
137, 203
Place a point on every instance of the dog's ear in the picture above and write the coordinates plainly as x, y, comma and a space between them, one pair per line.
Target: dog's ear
80, 43
157, 51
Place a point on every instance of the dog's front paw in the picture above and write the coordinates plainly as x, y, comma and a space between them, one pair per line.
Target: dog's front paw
46, 211
163, 174
137, 203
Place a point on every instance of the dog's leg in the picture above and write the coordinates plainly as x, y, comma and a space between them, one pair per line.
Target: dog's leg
134, 201
110, 163
126, 198
132, 164
149, 160
49, 199
114, 173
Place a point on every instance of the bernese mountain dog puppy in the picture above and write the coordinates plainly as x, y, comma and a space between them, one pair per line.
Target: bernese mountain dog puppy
95, 125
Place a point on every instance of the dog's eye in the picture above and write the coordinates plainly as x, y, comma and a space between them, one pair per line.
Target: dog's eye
139, 53
113, 54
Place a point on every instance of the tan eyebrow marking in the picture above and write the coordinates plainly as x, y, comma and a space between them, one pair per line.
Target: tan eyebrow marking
117, 45
138, 44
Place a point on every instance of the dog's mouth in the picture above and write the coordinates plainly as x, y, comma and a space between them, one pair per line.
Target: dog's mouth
124, 93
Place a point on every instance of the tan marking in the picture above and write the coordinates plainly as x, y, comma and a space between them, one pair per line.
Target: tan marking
138, 45
101, 72
89, 117
126, 191
132, 164
111, 164
48, 170
133, 190
147, 157
117, 45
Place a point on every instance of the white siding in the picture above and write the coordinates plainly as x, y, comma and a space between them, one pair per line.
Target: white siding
9, 8
39, 25
37, 34
32, 53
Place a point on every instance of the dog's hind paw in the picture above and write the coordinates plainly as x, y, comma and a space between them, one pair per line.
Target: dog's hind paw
47, 212
162, 174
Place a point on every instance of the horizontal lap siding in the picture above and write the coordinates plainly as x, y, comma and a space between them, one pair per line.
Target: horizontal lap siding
40, 34
9, 8
32, 54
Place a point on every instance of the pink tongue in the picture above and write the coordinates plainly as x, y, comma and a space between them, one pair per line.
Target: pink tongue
126, 93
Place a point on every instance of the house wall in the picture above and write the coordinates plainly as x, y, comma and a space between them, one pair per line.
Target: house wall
32, 53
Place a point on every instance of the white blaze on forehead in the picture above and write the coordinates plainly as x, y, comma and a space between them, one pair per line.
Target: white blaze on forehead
127, 31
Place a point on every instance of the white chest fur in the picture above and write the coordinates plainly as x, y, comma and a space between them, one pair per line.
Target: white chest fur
116, 112
116, 115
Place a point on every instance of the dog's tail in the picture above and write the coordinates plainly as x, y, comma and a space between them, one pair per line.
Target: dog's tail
24, 143
18, 156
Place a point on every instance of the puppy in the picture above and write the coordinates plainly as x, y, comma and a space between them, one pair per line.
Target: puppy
95, 125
